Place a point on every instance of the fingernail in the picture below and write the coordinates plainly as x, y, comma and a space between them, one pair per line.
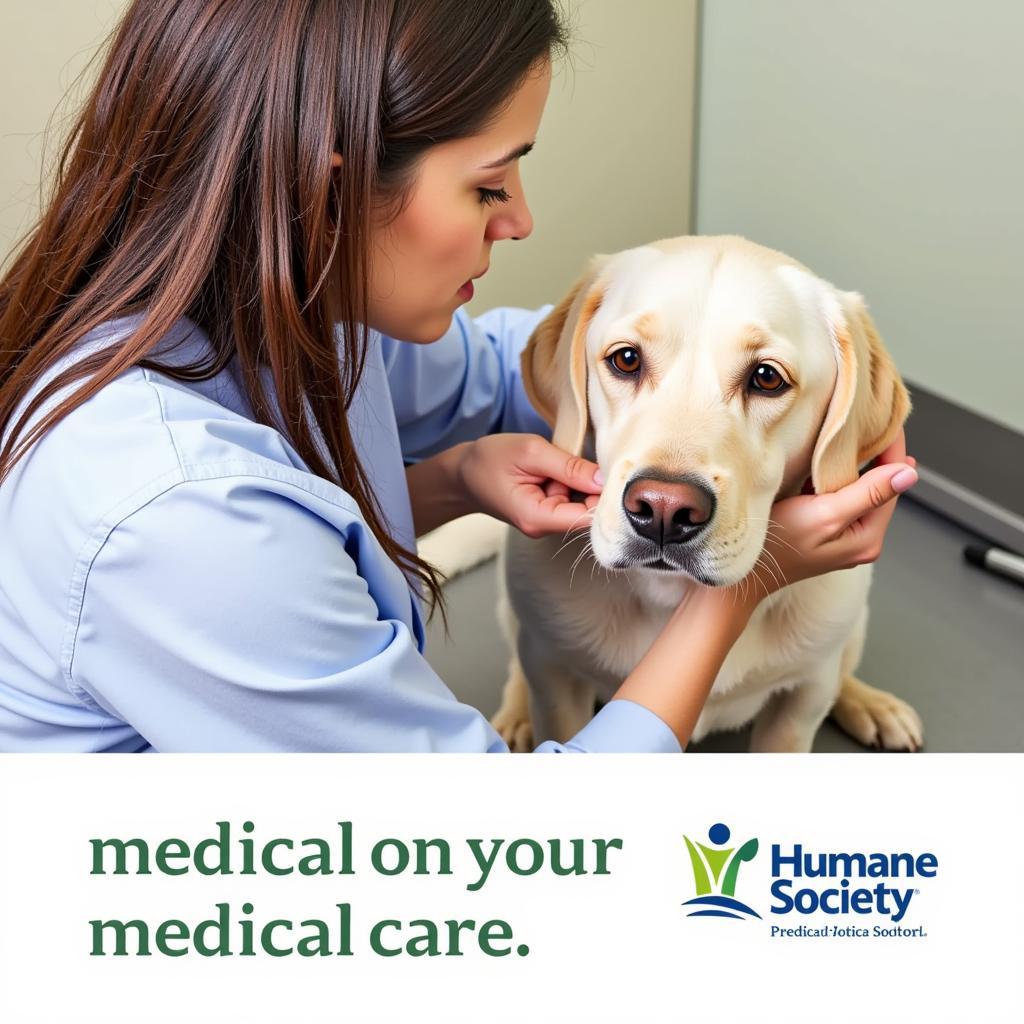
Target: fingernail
599, 478
903, 480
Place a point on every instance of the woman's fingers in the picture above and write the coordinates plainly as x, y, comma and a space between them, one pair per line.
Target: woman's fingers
576, 473
896, 452
570, 515
525, 480
864, 510
873, 492
556, 489
826, 532
538, 513
861, 512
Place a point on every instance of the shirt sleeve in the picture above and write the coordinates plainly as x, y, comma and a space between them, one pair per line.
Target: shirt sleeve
464, 385
228, 614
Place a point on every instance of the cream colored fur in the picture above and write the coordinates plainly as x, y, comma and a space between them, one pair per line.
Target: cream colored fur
462, 544
580, 614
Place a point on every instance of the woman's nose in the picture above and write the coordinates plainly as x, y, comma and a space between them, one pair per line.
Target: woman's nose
515, 221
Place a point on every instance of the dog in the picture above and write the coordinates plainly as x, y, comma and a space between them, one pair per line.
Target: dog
708, 377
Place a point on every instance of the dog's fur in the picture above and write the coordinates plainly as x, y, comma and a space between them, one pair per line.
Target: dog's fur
703, 312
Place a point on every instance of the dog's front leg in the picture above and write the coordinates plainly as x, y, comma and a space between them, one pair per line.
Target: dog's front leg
561, 706
561, 700
556, 706
790, 720
512, 719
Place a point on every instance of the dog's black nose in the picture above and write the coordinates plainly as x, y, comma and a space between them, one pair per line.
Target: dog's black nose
667, 512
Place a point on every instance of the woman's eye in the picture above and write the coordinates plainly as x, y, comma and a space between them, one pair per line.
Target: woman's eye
767, 379
493, 195
625, 361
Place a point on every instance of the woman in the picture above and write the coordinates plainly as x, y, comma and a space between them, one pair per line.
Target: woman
209, 533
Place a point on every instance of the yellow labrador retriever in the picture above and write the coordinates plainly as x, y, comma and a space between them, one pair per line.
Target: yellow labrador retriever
708, 376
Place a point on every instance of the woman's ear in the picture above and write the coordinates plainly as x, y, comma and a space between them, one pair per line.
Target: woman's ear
335, 161
554, 362
869, 402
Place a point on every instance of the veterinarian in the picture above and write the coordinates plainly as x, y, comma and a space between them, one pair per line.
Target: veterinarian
208, 528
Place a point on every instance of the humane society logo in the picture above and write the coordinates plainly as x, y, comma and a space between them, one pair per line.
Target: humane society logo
806, 882
715, 870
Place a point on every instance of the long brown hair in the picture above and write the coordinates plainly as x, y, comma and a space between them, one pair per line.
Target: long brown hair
197, 182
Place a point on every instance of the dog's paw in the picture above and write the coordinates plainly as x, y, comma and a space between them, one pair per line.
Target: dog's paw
876, 718
515, 729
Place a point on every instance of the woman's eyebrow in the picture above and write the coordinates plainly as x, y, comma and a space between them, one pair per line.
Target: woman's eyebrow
515, 154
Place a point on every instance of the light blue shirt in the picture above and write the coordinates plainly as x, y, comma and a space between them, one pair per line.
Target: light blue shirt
174, 578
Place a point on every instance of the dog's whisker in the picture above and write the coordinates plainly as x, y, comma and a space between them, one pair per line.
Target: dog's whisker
767, 569
785, 543
759, 582
762, 564
777, 565
586, 512
775, 562
773, 529
576, 562
775, 536
776, 539
579, 558
571, 540
592, 563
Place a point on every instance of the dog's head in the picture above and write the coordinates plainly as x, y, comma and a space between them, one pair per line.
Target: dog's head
709, 376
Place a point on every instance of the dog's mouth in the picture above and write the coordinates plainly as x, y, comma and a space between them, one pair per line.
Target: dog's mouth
694, 572
661, 565
688, 565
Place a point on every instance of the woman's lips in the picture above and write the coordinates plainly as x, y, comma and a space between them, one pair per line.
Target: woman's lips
466, 291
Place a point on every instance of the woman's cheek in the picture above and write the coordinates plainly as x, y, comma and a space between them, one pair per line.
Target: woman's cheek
452, 250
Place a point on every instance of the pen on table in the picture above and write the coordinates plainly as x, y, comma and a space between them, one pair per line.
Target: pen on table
996, 560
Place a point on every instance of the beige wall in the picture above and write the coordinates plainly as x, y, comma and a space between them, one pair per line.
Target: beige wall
612, 166
43, 46
882, 144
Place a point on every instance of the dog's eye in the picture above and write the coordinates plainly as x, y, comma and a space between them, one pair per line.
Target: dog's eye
767, 379
625, 361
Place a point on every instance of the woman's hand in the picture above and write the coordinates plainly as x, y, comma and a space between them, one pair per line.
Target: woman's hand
526, 481
813, 534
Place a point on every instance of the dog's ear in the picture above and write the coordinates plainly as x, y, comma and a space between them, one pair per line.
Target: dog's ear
554, 362
869, 403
